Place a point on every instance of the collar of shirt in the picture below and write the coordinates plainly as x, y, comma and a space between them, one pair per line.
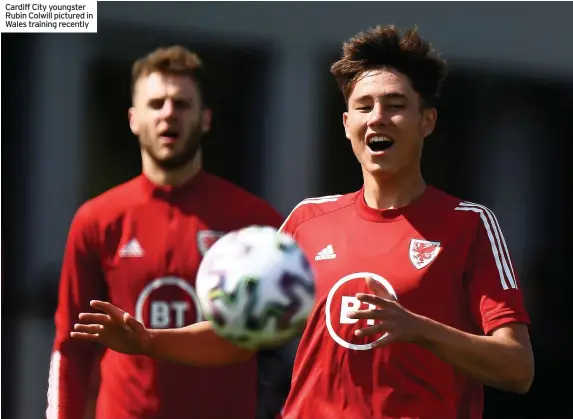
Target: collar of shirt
170, 192
395, 214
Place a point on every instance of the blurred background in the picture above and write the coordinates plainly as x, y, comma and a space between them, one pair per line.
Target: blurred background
503, 140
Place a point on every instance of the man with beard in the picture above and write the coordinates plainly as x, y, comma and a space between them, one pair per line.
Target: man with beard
139, 245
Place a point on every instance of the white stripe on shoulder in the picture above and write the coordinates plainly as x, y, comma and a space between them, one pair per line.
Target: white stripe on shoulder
497, 241
320, 198
317, 200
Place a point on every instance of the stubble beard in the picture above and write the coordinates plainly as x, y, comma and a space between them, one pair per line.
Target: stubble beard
182, 158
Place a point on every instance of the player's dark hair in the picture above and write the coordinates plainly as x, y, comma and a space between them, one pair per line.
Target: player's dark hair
173, 60
384, 47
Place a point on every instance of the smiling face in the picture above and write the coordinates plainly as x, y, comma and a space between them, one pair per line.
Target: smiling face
386, 123
169, 118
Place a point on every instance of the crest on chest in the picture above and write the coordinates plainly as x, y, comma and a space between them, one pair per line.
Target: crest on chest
423, 252
206, 239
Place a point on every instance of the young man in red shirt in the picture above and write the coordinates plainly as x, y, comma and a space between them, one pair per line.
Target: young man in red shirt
139, 245
418, 304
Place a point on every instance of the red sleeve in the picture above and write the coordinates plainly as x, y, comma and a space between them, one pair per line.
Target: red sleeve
292, 222
495, 293
81, 280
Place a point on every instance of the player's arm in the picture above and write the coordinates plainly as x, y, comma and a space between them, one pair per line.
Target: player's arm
502, 359
502, 356
72, 363
196, 344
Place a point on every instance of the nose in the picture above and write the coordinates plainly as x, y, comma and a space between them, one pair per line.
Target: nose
377, 115
168, 109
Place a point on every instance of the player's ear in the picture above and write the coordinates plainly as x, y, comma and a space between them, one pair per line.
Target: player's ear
206, 119
133, 122
345, 123
429, 118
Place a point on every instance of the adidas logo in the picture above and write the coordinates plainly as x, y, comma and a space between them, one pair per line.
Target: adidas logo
326, 253
131, 249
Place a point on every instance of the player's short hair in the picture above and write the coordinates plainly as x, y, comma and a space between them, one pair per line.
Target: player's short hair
385, 47
172, 60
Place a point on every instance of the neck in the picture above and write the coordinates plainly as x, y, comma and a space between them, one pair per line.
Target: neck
176, 177
396, 191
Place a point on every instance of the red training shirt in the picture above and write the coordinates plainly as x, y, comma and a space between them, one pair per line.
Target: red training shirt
139, 246
443, 258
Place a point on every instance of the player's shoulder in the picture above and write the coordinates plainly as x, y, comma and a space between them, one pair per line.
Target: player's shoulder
320, 205
462, 210
235, 195
313, 207
230, 190
220, 193
109, 204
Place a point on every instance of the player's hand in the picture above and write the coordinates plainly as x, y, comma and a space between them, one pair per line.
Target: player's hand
398, 323
114, 328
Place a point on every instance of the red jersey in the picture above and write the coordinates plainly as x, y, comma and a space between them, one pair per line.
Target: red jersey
442, 258
139, 246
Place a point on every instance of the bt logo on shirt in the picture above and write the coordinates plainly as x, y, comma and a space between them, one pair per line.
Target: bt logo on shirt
349, 304
168, 302
341, 300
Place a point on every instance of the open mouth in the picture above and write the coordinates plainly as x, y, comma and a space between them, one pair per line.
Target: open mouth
379, 143
169, 135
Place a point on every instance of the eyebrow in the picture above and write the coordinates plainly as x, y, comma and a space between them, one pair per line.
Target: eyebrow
177, 98
385, 96
174, 97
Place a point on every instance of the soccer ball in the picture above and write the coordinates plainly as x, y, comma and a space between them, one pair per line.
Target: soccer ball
256, 287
